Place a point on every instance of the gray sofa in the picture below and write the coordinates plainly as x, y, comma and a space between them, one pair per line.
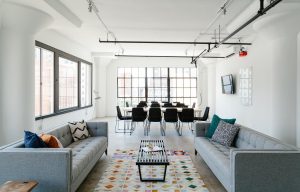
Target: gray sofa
255, 162
55, 169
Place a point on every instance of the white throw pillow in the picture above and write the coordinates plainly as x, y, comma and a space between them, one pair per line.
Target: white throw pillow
79, 130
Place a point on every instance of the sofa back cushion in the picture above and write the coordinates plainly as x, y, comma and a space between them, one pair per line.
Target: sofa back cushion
250, 139
63, 134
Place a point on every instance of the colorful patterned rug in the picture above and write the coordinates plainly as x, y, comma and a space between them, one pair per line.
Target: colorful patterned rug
122, 174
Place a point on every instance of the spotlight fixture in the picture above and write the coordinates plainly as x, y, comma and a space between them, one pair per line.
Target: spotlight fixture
194, 61
243, 52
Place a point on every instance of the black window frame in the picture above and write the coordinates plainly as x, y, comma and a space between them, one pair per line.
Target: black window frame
168, 77
183, 78
58, 53
124, 98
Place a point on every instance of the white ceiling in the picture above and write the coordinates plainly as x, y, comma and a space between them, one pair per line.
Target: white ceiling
155, 20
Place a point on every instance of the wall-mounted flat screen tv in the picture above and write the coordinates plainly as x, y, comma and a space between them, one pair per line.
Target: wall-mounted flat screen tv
227, 84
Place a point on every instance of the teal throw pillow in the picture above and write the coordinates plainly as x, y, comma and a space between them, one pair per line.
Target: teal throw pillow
214, 124
32, 140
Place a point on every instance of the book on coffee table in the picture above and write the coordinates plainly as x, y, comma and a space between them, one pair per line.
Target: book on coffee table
154, 149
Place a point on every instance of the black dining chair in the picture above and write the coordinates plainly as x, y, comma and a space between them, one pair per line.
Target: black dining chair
168, 105
154, 115
119, 118
155, 105
138, 115
142, 104
185, 116
127, 104
181, 105
204, 117
171, 116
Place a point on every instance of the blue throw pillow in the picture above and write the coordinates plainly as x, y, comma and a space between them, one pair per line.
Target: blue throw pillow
214, 124
32, 140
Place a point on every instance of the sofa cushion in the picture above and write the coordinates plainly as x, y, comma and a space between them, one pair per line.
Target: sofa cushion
83, 152
79, 130
214, 124
217, 156
251, 139
225, 133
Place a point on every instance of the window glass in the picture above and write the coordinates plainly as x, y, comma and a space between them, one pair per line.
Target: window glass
47, 82
44, 82
37, 81
135, 72
86, 84
172, 72
68, 83
142, 72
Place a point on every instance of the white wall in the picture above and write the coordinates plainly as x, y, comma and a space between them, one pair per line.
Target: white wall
19, 24
59, 41
257, 116
111, 74
101, 64
273, 58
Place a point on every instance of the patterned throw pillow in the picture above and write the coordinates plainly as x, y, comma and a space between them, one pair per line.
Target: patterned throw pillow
79, 130
225, 133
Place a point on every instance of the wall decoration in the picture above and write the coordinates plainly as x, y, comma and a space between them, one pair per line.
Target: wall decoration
245, 88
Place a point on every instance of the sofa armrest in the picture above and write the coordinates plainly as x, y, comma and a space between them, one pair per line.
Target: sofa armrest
201, 128
50, 167
97, 129
264, 170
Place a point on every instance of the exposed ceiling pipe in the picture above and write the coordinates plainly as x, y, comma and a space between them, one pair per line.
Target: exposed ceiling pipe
172, 42
170, 56
260, 12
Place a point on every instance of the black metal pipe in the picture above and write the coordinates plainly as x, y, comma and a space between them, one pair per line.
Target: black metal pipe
262, 5
230, 55
170, 56
259, 14
172, 42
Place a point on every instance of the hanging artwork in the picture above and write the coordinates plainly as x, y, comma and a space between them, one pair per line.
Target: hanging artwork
245, 89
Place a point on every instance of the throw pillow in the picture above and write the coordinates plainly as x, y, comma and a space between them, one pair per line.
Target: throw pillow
225, 133
51, 141
214, 124
79, 130
32, 140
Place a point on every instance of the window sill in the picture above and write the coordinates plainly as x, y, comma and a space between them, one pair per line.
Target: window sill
62, 112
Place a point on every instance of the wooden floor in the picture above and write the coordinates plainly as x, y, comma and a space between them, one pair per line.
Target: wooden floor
172, 141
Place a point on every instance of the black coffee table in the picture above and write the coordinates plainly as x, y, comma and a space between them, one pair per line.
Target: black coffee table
152, 158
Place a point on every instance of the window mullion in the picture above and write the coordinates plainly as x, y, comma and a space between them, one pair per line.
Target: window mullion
56, 83
41, 83
79, 84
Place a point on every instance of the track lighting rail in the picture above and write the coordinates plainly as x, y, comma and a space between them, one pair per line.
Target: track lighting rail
172, 42
175, 56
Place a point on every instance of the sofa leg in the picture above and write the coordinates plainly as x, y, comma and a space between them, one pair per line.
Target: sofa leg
106, 152
196, 152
